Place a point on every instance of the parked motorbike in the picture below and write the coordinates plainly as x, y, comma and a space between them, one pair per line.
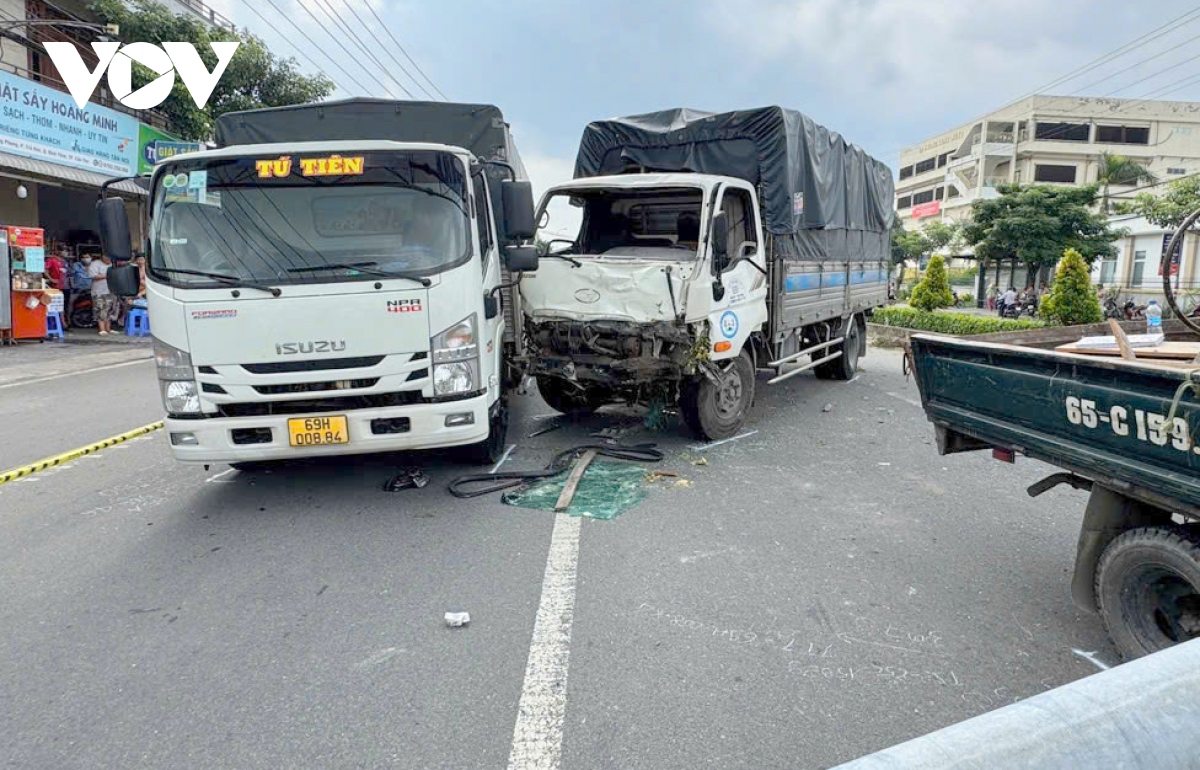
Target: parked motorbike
1134, 311
1011, 311
1115, 311
81, 313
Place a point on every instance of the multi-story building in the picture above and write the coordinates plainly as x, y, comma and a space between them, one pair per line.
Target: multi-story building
1045, 140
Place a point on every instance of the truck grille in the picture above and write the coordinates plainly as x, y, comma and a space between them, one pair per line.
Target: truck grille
309, 406
283, 367
315, 387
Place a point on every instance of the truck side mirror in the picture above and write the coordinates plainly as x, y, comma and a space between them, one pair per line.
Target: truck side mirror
114, 230
124, 280
517, 199
521, 259
720, 242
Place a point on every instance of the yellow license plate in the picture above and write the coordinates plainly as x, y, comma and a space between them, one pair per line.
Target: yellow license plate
318, 431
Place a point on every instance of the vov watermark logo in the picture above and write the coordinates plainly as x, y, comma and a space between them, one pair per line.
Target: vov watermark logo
165, 61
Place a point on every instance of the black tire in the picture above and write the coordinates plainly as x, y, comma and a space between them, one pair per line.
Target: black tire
567, 398
1148, 589
490, 450
713, 413
845, 366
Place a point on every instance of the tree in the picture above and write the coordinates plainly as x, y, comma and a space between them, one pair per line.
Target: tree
1071, 299
1181, 198
933, 291
254, 78
941, 235
1036, 224
906, 246
1119, 169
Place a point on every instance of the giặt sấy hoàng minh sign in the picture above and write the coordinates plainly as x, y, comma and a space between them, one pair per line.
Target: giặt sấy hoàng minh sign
42, 123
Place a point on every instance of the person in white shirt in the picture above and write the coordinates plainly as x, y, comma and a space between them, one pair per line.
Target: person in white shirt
1008, 300
103, 301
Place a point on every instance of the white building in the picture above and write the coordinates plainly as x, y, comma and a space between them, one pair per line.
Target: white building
1136, 271
1043, 139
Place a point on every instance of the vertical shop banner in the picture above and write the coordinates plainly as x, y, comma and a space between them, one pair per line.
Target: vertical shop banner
39, 122
1175, 257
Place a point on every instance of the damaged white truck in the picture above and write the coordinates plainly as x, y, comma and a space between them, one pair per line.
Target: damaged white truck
693, 249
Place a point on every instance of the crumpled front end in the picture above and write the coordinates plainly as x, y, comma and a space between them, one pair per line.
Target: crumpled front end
618, 356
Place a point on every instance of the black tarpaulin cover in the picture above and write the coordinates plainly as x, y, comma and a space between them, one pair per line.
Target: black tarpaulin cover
479, 128
821, 196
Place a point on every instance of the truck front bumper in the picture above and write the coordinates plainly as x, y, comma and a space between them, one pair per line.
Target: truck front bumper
221, 439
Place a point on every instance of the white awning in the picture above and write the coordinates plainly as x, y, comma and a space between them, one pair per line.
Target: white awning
57, 172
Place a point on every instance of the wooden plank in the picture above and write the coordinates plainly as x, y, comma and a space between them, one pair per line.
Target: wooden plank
568, 493
1122, 340
1182, 351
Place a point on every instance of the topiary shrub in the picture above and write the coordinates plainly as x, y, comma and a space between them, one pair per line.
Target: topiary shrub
933, 291
1072, 300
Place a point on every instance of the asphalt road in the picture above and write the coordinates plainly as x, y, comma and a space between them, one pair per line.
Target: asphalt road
820, 589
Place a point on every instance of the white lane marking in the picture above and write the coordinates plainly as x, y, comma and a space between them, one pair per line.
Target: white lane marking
538, 734
702, 447
211, 479
503, 457
905, 399
36, 380
1091, 657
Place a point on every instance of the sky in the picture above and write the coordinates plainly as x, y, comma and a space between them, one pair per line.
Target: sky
883, 73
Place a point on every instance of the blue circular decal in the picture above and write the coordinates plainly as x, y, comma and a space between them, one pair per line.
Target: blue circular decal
729, 324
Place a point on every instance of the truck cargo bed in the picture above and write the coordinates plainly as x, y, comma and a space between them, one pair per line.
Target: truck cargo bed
1104, 419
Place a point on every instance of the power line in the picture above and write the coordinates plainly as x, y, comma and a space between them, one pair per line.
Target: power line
342, 26
338, 43
299, 50
1135, 66
397, 42
383, 47
311, 42
1116, 53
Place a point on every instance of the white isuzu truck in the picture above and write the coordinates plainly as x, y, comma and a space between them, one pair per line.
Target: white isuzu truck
334, 279
693, 249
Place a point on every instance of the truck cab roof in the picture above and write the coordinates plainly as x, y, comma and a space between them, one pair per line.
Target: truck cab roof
704, 181
301, 148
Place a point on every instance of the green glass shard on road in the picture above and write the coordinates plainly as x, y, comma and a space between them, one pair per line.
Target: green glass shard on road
606, 490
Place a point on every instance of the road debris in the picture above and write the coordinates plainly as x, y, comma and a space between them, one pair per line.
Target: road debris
827, 408
548, 429
457, 619
414, 478
701, 461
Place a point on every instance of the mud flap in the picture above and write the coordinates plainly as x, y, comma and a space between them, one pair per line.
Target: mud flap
1108, 514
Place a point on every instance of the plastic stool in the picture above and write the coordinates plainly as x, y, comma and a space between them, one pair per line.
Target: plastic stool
54, 326
137, 323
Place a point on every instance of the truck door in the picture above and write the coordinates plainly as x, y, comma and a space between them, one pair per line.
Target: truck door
742, 310
492, 327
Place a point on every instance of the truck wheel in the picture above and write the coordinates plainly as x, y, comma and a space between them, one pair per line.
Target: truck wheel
490, 450
845, 366
564, 397
1148, 589
717, 411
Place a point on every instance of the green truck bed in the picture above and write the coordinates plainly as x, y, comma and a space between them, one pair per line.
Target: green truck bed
1103, 419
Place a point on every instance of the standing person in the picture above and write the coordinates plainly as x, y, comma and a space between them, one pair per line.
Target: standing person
80, 283
56, 269
102, 298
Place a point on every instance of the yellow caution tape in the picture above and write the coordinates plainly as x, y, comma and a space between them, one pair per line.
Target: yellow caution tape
66, 457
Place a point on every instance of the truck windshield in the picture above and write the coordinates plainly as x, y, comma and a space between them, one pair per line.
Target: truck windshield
657, 224
309, 218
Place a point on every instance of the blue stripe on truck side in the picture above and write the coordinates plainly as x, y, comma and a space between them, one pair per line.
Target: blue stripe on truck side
810, 281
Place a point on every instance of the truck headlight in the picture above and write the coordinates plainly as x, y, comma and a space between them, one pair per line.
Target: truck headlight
180, 396
176, 379
456, 359
172, 363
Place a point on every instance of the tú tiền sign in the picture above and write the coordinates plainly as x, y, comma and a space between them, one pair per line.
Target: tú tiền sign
39, 122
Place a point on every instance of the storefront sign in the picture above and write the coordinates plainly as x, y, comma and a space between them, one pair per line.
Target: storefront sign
1175, 257
42, 123
155, 146
927, 209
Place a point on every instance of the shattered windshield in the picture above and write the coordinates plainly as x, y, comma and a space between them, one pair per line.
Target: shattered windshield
657, 224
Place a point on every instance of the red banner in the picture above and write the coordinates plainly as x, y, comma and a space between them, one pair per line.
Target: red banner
927, 209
